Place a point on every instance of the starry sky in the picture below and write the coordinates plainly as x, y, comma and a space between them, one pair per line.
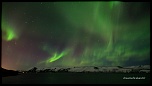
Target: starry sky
68, 34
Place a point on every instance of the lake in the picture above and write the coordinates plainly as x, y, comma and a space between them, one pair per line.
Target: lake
78, 78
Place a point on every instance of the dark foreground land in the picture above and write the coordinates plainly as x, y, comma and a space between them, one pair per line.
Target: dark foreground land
78, 78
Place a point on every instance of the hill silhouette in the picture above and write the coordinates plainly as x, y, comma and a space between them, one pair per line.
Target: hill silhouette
6, 72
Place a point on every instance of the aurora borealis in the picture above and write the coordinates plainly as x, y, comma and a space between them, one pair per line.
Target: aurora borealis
47, 34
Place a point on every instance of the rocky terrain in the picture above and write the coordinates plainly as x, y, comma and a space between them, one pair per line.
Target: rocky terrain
85, 69
103, 69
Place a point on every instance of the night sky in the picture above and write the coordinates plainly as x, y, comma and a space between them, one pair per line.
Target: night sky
68, 34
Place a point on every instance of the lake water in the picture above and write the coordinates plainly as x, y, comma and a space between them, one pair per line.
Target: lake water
77, 78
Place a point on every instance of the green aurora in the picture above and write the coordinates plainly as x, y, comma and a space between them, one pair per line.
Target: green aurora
79, 33
10, 33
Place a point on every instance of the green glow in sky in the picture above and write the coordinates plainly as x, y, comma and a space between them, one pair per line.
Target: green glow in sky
9, 31
10, 34
56, 57
112, 3
115, 41
78, 33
